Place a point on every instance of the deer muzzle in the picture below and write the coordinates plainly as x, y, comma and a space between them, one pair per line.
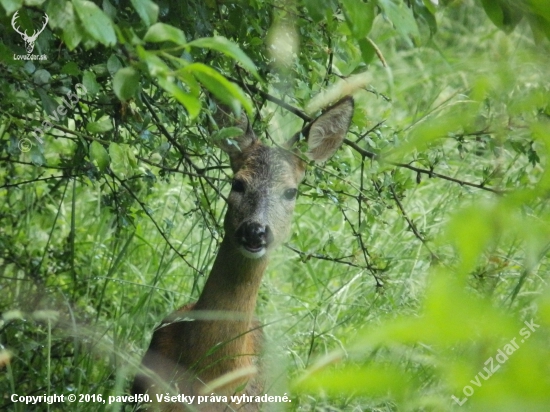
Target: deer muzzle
253, 239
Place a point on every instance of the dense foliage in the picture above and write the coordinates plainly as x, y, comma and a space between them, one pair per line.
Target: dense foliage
417, 253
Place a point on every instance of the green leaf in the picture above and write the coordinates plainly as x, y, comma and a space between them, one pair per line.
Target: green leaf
34, 3
59, 13
116, 153
41, 77
227, 133
540, 27
113, 64
471, 239
95, 22
126, 83
503, 14
228, 48
101, 126
11, 5
317, 9
494, 12
99, 156
37, 158
119, 161
132, 160
423, 13
224, 90
359, 17
109, 9
70, 68
90, 83
191, 82
29, 67
161, 32
371, 380
367, 50
401, 17
190, 102
430, 6
154, 64
72, 29
541, 8
48, 104
147, 10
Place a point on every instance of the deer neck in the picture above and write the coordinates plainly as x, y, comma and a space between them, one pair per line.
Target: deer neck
233, 283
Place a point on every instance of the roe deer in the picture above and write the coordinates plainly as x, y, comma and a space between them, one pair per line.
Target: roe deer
217, 338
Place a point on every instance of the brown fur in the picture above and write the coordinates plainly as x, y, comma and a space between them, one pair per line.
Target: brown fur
181, 349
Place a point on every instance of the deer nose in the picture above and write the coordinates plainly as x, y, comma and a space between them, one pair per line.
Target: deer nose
254, 236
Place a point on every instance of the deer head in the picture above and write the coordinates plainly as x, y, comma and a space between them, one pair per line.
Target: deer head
266, 179
29, 40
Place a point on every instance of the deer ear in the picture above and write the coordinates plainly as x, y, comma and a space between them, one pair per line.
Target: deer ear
237, 141
327, 132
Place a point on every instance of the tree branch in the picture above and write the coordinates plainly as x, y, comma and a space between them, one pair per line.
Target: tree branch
410, 223
430, 173
146, 210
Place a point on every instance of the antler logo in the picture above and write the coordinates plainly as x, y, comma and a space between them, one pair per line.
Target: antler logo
29, 40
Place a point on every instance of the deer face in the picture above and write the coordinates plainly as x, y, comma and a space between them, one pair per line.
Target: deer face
265, 182
262, 199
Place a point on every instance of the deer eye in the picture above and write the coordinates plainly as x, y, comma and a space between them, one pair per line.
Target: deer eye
237, 186
290, 194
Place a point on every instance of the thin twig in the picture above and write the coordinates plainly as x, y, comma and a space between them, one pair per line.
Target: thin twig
175, 143
146, 210
41, 179
273, 99
430, 173
378, 52
323, 257
411, 224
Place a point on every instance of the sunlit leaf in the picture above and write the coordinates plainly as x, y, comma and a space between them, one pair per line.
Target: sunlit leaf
319, 9
126, 83
147, 10
367, 50
227, 47
227, 133
227, 92
161, 32
113, 64
430, 6
503, 14
120, 160
99, 156
48, 103
89, 81
359, 16
95, 22
155, 65
190, 102
71, 26
71, 68
11, 6
354, 380
101, 126
401, 17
